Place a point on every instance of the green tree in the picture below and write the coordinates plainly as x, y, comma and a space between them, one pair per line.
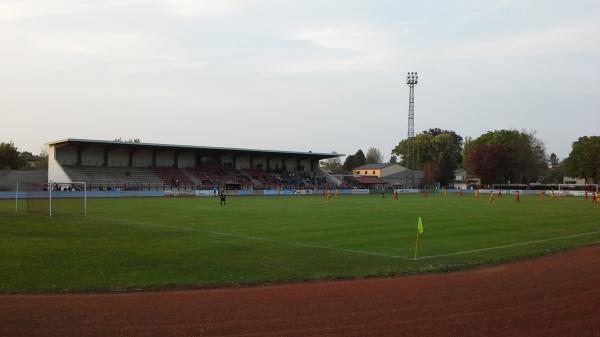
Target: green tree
555, 172
439, 150
553, 160
355, 160
415, 152
9, 157
373, 156
584, 159
456, 139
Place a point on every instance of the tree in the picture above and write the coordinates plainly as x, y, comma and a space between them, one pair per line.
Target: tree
444, 168
428, 175
9, 157
373, 156
131, 140
489, 162
553, 160
355, 160
439, 148
415, 152
526, 154
456, 139
393, 159
538, 165
584, 159
555, 172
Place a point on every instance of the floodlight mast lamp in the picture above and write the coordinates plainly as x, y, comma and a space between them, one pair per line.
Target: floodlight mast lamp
411, 80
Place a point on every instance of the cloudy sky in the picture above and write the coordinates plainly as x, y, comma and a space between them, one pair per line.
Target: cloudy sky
318, 75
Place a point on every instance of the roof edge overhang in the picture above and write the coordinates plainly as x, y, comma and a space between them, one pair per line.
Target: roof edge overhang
193, 148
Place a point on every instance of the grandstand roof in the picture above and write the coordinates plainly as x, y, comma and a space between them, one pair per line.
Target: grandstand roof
194, 148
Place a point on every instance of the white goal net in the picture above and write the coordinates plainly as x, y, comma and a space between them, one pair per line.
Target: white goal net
578, 190
54, 198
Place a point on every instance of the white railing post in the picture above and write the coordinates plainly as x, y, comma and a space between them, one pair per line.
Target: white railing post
84, 199
17, 198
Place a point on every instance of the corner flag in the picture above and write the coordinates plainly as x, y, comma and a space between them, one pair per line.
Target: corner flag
419, 232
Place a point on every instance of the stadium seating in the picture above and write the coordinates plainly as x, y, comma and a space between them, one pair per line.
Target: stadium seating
206, 176
212, 175
173, 177
264, 179
127, 178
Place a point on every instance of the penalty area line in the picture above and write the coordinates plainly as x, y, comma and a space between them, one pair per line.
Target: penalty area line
258, 238
507, 246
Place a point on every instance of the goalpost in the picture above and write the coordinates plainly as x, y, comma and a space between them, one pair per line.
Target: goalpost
577, 189
52, 197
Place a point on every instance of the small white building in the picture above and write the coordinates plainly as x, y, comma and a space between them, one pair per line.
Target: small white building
573, 181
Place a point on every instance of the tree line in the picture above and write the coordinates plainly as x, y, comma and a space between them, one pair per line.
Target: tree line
354, 160
496, 157
12, 159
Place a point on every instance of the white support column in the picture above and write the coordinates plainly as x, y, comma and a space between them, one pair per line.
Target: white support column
50, 200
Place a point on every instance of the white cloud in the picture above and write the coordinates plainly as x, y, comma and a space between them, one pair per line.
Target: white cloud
354, 39
343, 49
14, 10
205, 9
556, 41
18, 10
120, 52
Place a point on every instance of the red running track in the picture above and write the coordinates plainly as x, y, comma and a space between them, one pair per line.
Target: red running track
556, 295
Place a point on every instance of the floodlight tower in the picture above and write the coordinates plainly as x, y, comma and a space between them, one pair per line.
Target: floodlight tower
411, 80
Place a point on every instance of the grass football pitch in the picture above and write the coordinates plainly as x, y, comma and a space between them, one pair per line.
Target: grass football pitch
142, 243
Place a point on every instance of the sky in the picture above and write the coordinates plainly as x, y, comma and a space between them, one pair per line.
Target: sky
304, 75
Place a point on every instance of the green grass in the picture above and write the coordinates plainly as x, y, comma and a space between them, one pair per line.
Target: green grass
168, 242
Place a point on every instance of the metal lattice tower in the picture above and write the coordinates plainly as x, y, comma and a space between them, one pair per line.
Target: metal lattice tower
411, 80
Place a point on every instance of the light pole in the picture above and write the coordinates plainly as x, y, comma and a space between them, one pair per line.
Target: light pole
411, 81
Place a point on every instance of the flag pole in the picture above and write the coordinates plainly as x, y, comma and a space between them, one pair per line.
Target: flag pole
416, 244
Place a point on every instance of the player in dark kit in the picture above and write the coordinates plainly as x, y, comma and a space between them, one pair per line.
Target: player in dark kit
223, 198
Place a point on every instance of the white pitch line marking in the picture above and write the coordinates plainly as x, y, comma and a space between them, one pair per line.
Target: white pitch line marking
240, 236
353, 251
507, 246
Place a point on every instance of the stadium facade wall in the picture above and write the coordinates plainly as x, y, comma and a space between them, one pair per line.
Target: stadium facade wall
55, 170
165, 159
141, 158
92, 156
186, 160
9, 178
66, 155
117, 157
242, 162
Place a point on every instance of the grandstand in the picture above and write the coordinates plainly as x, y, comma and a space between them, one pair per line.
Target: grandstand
116, 165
